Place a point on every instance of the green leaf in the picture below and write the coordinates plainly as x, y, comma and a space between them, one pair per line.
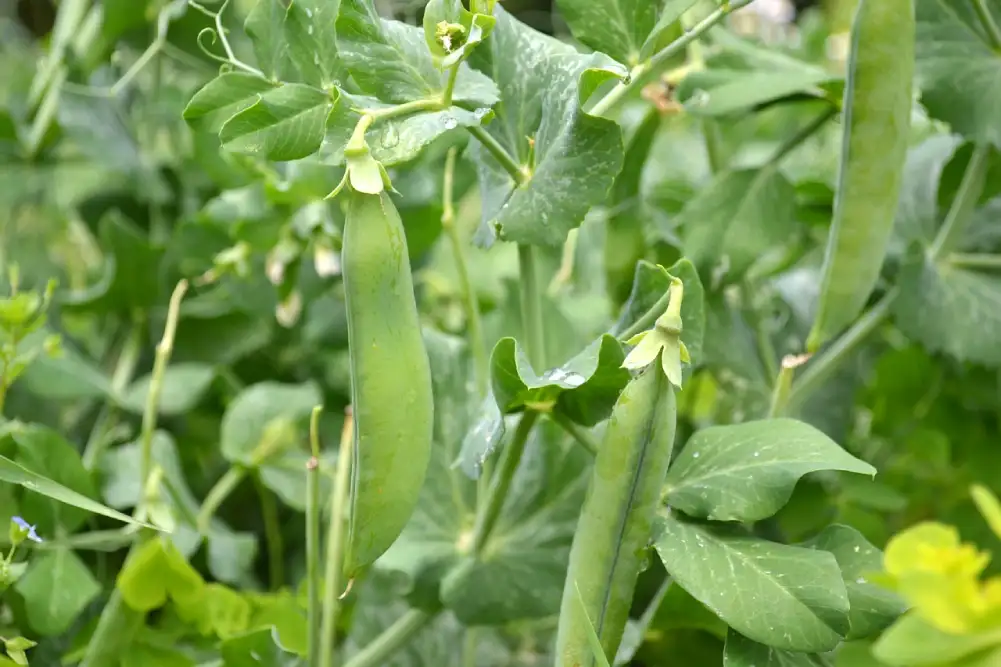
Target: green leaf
782, 596
917, 216
650, 284
737, 217
395, 140
570, 158
912, 642
285, 123
592, 636
310, 32
56, 588
584, 389
257, 406
616, 27
950, 309
390, 60
873, 608
482, 439
184, 385
748, 90
743, 652
224, 96
660, 35
68, 377
265, 27
258, 648
45, 452
156, 571
958, 67
747, 472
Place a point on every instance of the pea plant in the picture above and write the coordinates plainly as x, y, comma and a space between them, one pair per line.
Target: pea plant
403, 333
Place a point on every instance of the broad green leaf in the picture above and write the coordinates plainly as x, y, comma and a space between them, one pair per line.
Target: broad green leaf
912, 642
747, 472
786, 597
748, 90
47, 453
225, 96
156, 571
148, 655
650, 284
285, 123
246, 420
918, 211
950, 309
569, 158
584, 389
873, 608
483, 437
264, 26
310, 32
395, 140
184, 385
737, 217
218, 610
390, 60
283, 612
56, 588
258, 648
69, 377
14, 473
958, 68
743, 652
616, 27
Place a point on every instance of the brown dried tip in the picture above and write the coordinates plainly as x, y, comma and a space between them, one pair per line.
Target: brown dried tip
661, 95
351, 583
791, 361
313, 463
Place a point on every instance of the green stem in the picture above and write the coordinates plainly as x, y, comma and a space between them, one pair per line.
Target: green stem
396, 636
473, 322
115, 629
582, 437
766, 351
313, 539
531, 307
335, 544
990, 26
218, 494
641, 74
163, 352
272, 534
446, 97
501, 482
783, 385
398, 110
974, 261
961, 211
499, 152
649, 318
807, 131
125, 368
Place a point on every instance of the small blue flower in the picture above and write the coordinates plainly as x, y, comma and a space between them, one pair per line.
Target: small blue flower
25, 529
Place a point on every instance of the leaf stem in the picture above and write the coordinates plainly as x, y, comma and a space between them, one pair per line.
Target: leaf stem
961, 211
335, 544
649, 318
531, 306
807, 131
392, 639
272, 534
453, 74
218, 494
975, 261
125, 366
766, 350
473, 323
385, 113
313, 539
499, 152
641, 74
582, 437
501, 482
114, 632
990, 26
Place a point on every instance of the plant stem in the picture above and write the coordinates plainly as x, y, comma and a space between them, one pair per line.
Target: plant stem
501, 482
426, 104
807, 131
531, 307
453, 73
986, 20
313, 539
975, 261
499, 152
335, 544
474, 325
642, 73
392, 639
223, 488
272, 534
163, 352
648, 319
128, 358
961, 211
766, 351
114, 632
582, 437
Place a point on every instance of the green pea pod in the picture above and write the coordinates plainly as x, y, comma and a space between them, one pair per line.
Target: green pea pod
877, 113
616, 522
390, 379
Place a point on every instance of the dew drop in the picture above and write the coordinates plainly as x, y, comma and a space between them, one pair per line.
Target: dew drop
309, 12
860, 580
450, 123
695, 455
574, 379
316, 59
309, 30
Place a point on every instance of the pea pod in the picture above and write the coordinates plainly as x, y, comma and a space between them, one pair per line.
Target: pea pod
617, 519
390, 378
877, 111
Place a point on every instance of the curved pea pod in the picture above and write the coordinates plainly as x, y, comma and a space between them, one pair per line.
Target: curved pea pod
616, 522
390, 379
876, 121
